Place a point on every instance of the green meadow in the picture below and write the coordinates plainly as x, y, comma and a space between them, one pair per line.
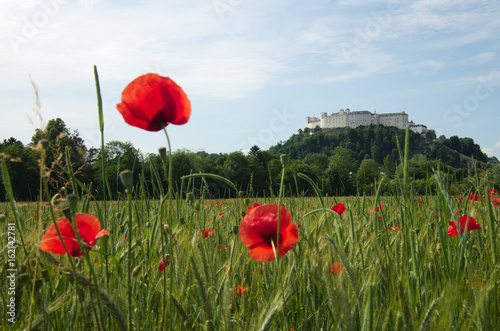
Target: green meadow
401, 269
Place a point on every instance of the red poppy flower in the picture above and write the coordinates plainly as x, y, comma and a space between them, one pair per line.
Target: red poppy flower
473, 225
221, 214
240, 291
336, 268
474, 197
208, 233
493, 191
223, 248
87, 225
421, 202
151, 102
259, 229
339, 208
378, 208
164, 262
496, 202
476, 283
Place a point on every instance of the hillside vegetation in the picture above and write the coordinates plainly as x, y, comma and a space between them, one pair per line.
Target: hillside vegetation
344, 163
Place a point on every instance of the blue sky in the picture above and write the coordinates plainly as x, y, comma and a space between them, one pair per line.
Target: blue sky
253, 69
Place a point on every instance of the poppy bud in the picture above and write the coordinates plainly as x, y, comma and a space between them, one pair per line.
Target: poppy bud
67, 213
235, 229
72, 202
63, 191
190, 196
127, 179
56, 199
163, 154
284, 159
138, 242
164, 262
136, 270
439, 248
118, 215
197, 206
2, 218
166, 228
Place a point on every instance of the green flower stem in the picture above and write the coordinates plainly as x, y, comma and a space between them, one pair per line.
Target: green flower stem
86, 256
103, 168
170, 178
277, 250
169, 209
129, 257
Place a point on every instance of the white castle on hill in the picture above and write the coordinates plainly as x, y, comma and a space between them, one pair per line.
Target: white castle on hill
354, 119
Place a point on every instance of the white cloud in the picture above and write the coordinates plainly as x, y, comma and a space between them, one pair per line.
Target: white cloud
484, 57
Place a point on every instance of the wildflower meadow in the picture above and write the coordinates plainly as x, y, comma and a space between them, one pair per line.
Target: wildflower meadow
286, 260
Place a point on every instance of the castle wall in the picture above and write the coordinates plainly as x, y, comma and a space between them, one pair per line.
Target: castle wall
362, 118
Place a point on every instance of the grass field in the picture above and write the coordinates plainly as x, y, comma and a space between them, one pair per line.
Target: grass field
400, 268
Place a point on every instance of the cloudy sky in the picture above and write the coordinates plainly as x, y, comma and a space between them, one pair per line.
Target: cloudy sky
253, 69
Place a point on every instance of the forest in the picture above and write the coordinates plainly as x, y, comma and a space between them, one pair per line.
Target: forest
346, 163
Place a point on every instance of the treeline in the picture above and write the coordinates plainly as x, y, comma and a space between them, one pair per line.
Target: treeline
345, 164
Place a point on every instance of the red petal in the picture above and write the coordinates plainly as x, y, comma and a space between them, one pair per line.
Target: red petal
339, 208
452, 229
336, 268
88, 227
472, 223
290, 237
101, 233
51, 242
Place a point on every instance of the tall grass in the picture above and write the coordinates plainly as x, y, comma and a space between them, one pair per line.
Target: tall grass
415, 277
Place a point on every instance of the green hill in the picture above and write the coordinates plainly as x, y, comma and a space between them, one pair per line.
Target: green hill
377, 142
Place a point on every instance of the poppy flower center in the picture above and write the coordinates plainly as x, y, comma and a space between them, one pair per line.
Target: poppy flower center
271, 240
75, 250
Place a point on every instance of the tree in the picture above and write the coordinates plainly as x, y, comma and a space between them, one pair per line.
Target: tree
341, 166
389, 165
367, 172
59, 139
495, 176
258, 173
22, 165
118, 156
254, 150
